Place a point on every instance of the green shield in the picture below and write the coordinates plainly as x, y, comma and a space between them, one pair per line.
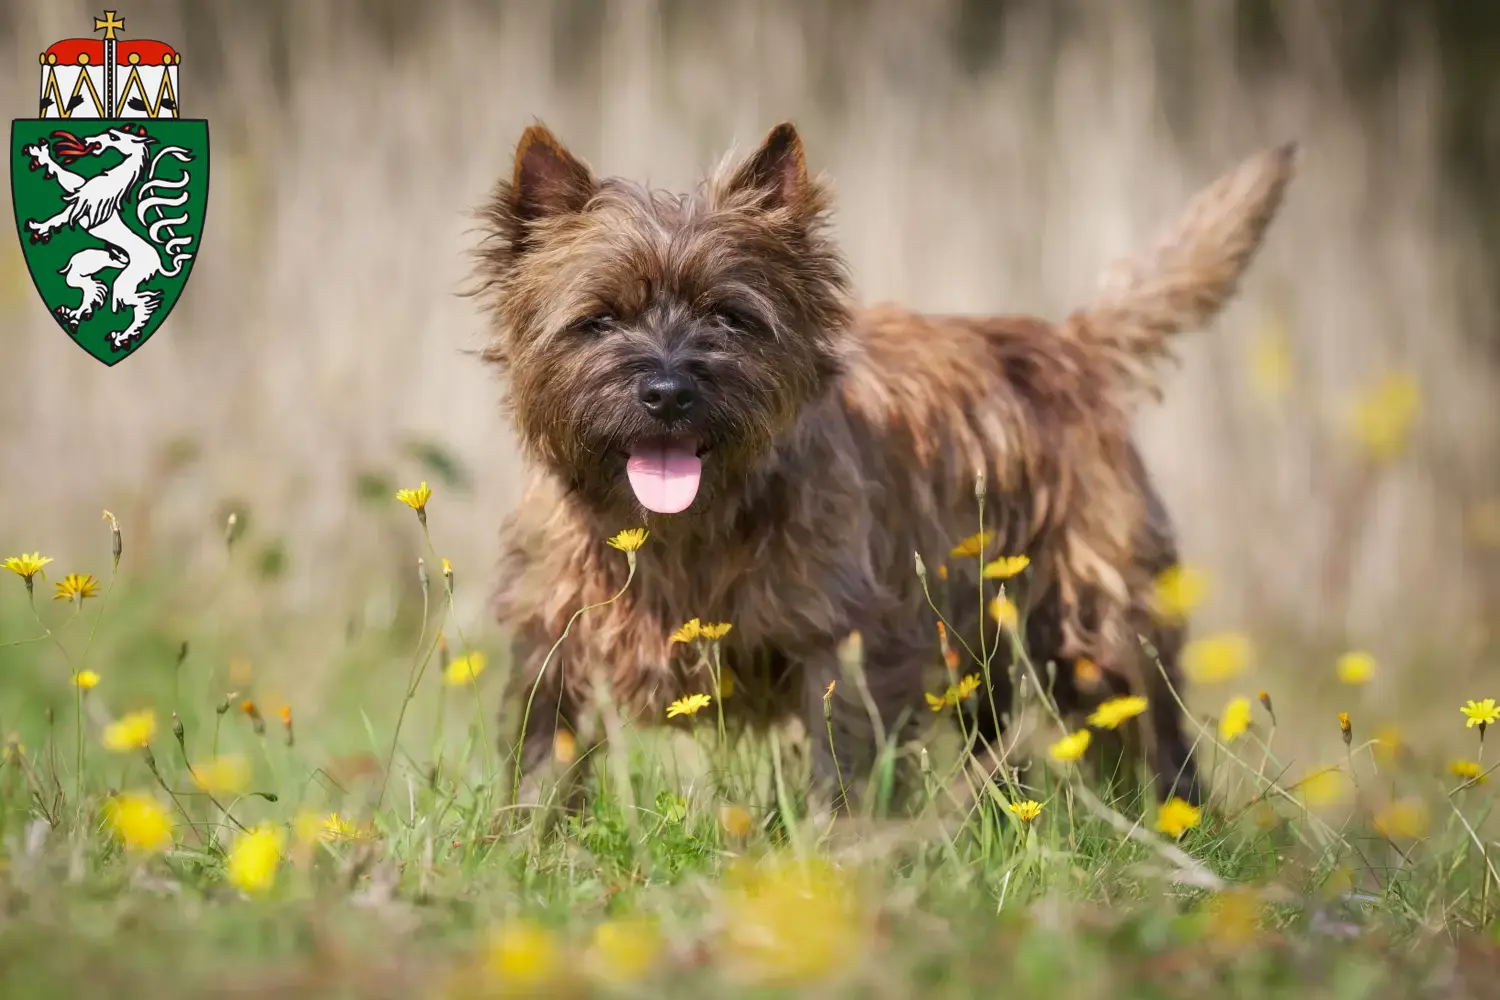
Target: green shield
110, 216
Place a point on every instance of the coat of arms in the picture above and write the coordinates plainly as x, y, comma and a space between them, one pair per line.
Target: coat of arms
110, 187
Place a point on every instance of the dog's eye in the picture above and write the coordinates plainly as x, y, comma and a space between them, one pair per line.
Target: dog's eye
733, 319
596, 324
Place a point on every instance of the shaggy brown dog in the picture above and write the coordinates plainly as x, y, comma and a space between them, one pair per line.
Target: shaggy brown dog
693, 363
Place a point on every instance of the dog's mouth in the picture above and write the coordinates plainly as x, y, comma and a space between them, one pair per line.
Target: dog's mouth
665, 473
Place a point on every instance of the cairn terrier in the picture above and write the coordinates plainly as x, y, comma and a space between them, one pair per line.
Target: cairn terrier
694, 364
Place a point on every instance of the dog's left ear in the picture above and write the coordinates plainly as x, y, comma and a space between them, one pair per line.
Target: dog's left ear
778, 168
547, 179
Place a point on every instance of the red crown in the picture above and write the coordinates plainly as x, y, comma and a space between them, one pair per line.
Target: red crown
90, 51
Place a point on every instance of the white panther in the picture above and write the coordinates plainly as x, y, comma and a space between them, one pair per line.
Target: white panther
94, 204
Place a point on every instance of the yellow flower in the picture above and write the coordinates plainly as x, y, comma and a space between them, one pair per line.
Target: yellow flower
1025, 811
130, 732
972, 546
254, 858
465, 669
1468, 770
829, 693
415, 499
26, 566
1271, 361
1179, 589
76, 585
1005, 567
630, 540
141, 823
689, 705
1234, 720
736, 821
1086, 673
227, 775
1406, 818
1004, 611
688, 631
1176, 817
956, 693
1217, 658
564, 747
1381, 417
624, 951
86, 680
791, 923
1355, 668
1234, 917
1072, 747
335, 827
715, 631
1388, 744
1111, 713
1481, 713
1322, 788
1345, 727
726, 686
525, 955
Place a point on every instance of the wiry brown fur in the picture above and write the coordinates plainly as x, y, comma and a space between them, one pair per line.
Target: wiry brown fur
844, 441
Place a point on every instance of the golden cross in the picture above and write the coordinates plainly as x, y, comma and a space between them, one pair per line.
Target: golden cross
108, 24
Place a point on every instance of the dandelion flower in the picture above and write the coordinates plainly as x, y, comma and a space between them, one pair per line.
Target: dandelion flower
1481, 713
1072, 747
791, 923
254, 858
76, 586
227, 775
564, 747
629, 540
829, 692
689, 705
1322, 788
1111, 713
86, 680
1382, 416
1179, 589
1217, 658
1468, 770
415, 499
464, 669
130, 732
335, 827
714, 631
257, 723
1176, 817
624, 951
956, 693
736, 821
1005, 567
1346, 728
27, 567
1086, 673
973, 546
525, 955
688, 631
1265, 699
1234, 720
1405, 818
1025, 811
140, 822
1355, 668
1004, 611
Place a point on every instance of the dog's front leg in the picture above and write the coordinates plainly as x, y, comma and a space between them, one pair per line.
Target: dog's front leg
859, 711
555, 748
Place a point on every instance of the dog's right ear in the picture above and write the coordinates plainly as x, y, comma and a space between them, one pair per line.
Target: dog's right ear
548, 180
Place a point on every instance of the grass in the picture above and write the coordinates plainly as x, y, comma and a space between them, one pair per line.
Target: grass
366, 844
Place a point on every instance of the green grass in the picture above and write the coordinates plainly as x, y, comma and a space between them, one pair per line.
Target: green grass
445, 877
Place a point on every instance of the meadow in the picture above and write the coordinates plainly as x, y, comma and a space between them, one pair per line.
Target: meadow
173, 826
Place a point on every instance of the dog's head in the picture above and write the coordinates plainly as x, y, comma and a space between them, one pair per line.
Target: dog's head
656, 345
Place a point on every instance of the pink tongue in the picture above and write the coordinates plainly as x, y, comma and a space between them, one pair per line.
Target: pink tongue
664, 477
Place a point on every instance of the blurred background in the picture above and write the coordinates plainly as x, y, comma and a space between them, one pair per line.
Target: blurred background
1330, 448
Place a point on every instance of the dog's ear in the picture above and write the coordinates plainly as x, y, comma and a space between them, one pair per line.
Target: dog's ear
548, 180
778, 169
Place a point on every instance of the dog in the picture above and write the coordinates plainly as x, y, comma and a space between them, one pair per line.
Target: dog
695, 364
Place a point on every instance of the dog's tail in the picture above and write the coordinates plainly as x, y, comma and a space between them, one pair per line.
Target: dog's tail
1189, 273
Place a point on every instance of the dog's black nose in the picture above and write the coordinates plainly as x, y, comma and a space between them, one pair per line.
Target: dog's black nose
668, 398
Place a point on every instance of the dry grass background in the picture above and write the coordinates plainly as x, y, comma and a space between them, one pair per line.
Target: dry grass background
322, 327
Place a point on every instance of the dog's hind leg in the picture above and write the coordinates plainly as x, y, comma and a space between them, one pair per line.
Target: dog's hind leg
1171, 751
